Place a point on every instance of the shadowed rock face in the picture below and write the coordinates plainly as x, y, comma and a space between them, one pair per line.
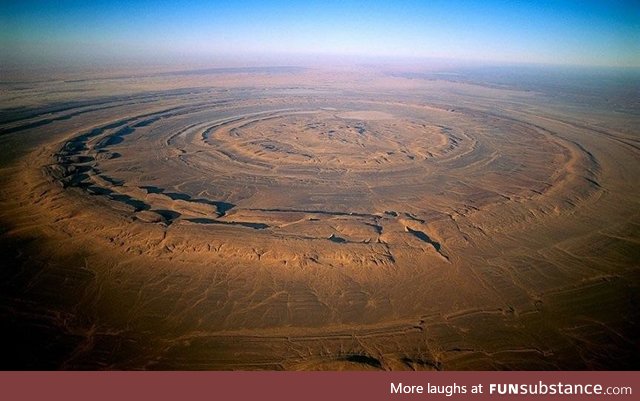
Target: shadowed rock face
397, 225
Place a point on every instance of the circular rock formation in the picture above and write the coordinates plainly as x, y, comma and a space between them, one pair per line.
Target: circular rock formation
327, 229
371, 174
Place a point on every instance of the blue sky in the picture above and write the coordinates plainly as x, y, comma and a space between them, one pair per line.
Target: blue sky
553, 32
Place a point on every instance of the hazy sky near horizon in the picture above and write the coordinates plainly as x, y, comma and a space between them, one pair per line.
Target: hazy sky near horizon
604, 33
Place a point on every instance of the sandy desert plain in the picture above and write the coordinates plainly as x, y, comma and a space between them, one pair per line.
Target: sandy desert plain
313, 219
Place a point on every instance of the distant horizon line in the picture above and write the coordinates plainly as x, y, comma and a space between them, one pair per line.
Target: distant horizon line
308, 60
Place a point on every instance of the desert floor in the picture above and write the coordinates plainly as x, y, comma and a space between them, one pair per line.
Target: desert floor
310, 219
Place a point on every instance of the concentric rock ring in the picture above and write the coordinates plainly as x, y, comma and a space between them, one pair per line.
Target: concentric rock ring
385, 171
